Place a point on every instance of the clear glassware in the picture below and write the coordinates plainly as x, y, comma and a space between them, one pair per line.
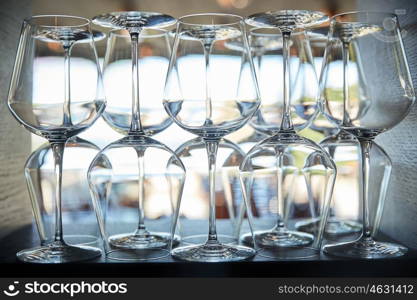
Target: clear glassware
278, 162
210, 104
135, 224
154, 51
77, 207
365, 102
344, 213
318, 41
192, 224
267, 46
56, 112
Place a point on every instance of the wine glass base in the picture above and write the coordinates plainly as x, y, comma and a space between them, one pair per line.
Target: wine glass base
213, 253
202, 238
333, 227
277, 239
132, 255
151, 240
79, 239
289, 253
365, 249
58, 254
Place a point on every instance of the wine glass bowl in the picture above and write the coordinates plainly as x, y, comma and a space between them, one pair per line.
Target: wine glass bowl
266, 45
284, 166
47, 112
371, 46
76, 203
287, 20
216, 106
134, 21
144, 180
154, 50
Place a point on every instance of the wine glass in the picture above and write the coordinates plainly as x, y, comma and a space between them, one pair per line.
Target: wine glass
204, 97
154, 50
76, 203
363, 107
280, 160
61, 45
193, 224
137, 59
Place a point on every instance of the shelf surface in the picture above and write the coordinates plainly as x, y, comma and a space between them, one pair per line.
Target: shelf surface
323, 266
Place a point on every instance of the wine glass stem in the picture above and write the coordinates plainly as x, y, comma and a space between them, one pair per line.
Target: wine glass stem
67, 122
259, 63
141, 193
280, 197
365, 145
136, 125
58, 154
345, 57
211, 147
286, 124
209, 108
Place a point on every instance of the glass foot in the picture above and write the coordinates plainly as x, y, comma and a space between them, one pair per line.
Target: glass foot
215, 252
366, 249
272, 238
333, 227
202, 238
289, 253
58, 254
137, 254
143, 241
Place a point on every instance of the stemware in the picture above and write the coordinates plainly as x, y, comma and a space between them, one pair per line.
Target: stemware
267, 48
193, 223
373, 42
204, 97
76, 203
59, 46
137, 55
280, 159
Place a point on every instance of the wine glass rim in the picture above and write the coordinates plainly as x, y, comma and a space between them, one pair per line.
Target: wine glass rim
120, 33
279, 33
360, 12
239, 19
86, 22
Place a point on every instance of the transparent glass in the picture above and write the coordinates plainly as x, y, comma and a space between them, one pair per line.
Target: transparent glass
276, 164
344, 215
203, 95
78, 218
144, 180
153, 58
193, 221
320, 124
59, 108
134, 168
266, 45
366, 89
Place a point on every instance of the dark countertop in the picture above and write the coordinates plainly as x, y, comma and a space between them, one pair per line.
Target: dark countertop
323, 266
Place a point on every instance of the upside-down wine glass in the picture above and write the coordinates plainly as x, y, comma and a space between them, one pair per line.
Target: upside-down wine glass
343, 149
282, 157
208, 105
139, 43
193, 226
56, 113
367, 107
